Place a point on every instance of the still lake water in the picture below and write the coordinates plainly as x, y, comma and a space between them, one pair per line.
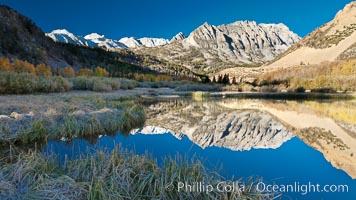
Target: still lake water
279, 160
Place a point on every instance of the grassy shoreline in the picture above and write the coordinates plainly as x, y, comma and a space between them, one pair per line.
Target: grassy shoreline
119, 174
30, 118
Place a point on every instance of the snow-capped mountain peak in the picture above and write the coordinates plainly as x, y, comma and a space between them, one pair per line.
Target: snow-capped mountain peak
97, 40
63, 35
180, 36
130, 42
153, 42
94, 36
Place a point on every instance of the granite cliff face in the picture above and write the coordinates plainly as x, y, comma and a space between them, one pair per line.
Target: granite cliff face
207, 124
209, 48
242, 41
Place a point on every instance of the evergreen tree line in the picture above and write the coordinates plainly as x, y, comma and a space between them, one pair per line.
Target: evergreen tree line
224, 79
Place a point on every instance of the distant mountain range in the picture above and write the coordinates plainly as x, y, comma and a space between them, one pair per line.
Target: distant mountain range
210, 48
97, 40
241, 42
242, 49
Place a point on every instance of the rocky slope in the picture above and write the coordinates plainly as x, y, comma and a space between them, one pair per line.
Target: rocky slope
332, 41
207, 124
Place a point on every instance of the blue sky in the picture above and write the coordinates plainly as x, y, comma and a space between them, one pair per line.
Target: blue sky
164, 18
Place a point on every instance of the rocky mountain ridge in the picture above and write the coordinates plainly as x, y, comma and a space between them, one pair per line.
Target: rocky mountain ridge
207, 48
210, 48
97, 40
243, 41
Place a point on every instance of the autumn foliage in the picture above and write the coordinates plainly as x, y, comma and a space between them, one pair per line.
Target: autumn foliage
67, 72
99, 71
85, 72
339, 75
23, 66
151, 77
5, 64
43, 70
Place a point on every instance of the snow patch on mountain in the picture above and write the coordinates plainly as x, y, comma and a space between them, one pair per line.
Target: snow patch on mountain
64, 36
97, 40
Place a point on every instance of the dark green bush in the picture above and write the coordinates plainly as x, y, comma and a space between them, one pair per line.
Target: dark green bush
300, 90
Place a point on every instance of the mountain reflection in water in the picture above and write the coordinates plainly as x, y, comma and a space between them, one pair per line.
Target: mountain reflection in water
281, 141
242, 124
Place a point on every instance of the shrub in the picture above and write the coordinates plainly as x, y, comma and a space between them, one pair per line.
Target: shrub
127, 84
95, 83
54, 84
82, 83
101, 87
300, 90
17, 83
25, 83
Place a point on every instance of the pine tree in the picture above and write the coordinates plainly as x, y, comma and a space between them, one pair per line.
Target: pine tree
234, 80
214, 79
208, 80
220, 79
226, 79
